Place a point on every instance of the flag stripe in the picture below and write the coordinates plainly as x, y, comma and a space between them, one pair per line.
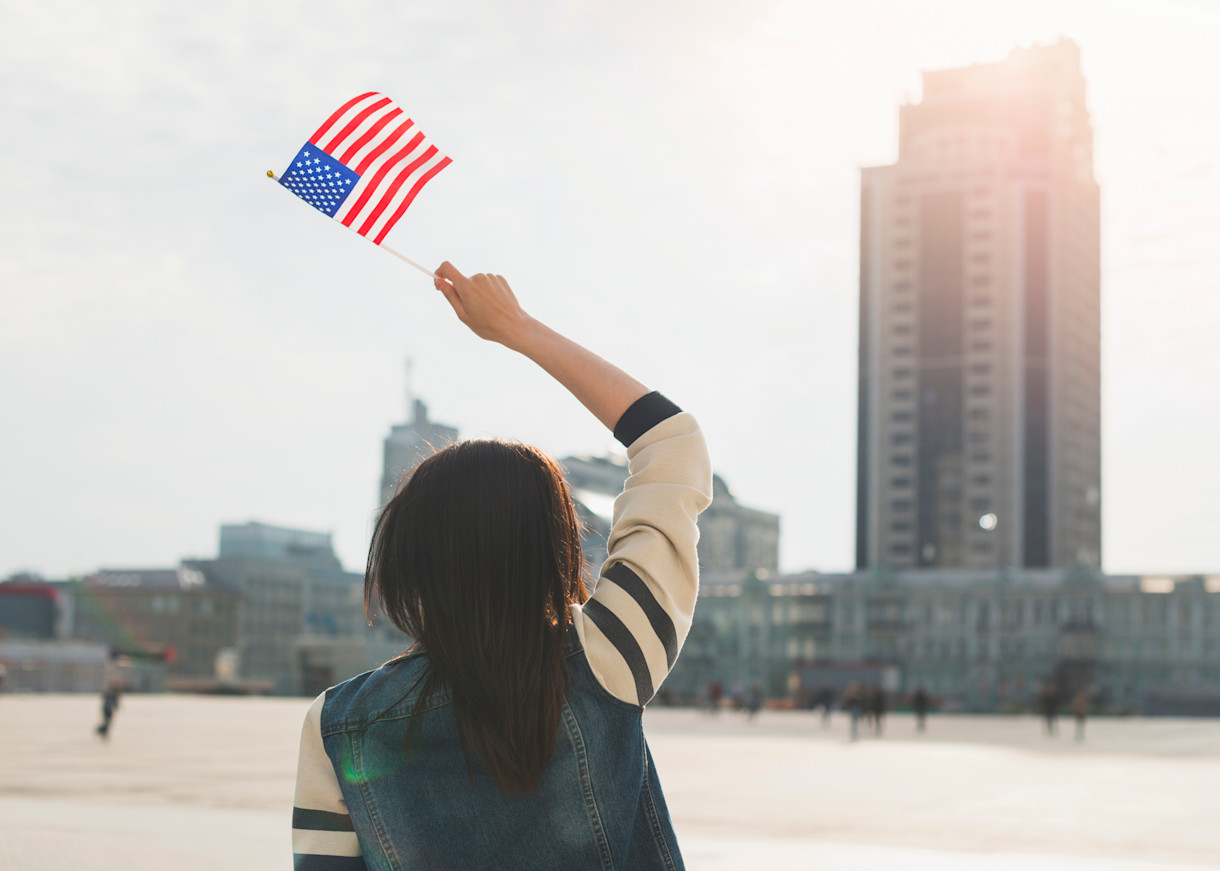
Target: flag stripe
368, 160
392, 189
401, 185
342, 110
354, 123
423, 180
363, 140
376, 179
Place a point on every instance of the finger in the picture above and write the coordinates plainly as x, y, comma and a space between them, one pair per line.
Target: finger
450, 272
451, 295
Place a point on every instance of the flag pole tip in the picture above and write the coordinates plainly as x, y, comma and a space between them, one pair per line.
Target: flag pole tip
270, 174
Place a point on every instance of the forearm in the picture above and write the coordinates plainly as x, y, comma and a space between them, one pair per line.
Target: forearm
603, 388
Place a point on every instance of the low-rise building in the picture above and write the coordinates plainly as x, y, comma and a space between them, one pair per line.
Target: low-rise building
976, 640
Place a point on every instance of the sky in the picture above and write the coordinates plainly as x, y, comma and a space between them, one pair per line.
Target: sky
675, 185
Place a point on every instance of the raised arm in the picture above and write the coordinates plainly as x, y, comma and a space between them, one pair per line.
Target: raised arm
634, 625
487, 305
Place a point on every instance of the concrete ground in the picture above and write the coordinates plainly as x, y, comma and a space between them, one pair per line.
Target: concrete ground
194, 783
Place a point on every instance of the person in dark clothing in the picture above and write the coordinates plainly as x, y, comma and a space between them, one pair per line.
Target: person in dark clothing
920, 703
754, 700
876, 708
1049, 702
110, 704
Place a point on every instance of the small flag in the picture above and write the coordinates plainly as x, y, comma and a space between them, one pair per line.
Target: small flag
364, 166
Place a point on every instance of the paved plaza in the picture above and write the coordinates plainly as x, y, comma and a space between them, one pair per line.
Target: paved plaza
193, 783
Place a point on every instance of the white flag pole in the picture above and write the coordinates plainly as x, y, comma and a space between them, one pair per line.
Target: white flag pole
271, 175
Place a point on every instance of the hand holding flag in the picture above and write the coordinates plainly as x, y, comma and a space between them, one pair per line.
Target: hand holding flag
364, 166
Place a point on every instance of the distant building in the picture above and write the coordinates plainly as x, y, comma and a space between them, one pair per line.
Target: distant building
732, 537
976, 640
168, 615
408, 444
979, 361
30, 609
302, 622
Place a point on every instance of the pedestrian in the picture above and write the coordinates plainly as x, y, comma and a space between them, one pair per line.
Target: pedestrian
1048, 700
920, 703
1080, 710
510, 735
110, 704
826, 699
877, 708
754, 700
714, 694
853, 700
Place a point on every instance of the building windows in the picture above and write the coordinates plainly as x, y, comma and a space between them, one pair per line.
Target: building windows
901, 483
903, 460
900, 506
902, 438
901, 416
980, 390
902, 374
901, 394
980, 324
901, 351
980, 480
981, 347
979, 414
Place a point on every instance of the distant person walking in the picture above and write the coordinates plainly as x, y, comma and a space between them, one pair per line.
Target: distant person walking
920, 703
715, 692
877, 708
110, 704
853, 701
1080, 710
826, 700
754, 700
1048, 701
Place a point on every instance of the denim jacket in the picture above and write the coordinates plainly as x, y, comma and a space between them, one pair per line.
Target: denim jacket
600, 804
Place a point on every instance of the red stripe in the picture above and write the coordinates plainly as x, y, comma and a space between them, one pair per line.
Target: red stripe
373, 131
339, 114
376, 180
392, 188
424, 179
380, 149
355, 122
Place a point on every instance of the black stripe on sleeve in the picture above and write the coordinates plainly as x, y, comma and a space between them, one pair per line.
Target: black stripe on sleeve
645, 413
320, 821
661, 622
624, 642
315, 862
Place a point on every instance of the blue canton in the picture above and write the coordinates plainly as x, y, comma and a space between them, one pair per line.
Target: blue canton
319, 179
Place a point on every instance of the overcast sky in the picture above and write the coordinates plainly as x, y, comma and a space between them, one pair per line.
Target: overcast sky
674, 184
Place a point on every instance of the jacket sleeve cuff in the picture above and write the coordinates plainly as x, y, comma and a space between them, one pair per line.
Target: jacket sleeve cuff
645, 413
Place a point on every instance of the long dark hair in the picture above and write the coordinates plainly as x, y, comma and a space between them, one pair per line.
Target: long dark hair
477, 558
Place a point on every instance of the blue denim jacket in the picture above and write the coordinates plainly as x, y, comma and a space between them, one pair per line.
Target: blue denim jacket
600, 804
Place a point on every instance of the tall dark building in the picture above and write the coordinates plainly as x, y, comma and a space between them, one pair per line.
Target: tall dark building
979, 380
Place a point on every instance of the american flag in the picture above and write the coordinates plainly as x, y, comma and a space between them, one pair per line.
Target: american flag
365, 165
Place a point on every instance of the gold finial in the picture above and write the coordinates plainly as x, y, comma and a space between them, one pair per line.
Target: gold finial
270, 174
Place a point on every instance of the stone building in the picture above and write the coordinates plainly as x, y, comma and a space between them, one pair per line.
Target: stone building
170, 615
977, 640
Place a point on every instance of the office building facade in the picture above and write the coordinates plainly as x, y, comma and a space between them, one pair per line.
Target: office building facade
979, 359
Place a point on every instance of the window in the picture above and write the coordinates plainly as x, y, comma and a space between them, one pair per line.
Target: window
980, 346
901, 416
902, 438
901, 483
901, 374
902, 350
901, 460
980, 390
902, 329
901, 394
980, 480
900, 506
979, 414
980, 324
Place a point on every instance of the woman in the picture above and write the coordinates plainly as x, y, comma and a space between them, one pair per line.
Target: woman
509, 736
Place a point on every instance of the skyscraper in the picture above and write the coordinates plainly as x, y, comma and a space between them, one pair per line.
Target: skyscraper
979, 380
408, 444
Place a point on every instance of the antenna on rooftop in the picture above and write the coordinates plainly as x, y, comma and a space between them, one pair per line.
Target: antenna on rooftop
410, 392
